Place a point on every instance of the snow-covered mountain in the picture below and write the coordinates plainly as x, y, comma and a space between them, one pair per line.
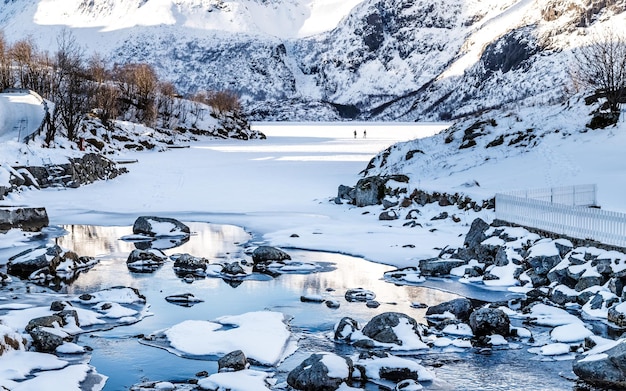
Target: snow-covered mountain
327, 59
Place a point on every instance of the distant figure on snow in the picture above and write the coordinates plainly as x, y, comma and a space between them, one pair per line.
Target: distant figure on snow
364, 133
355, 134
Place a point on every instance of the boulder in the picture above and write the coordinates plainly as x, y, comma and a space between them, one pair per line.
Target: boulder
233, 269
476, 234
145, 260
24, 264
313, 374
46, 334
617, 314
461, 308
381, 327
438, 266
488, 321
543, 264
607, 370
359, 294
345, 328
233, 361
369, 191
265, 254
159, 226
388, 215
186, 263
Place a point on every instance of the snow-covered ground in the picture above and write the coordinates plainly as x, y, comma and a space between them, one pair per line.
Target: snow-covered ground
21, 114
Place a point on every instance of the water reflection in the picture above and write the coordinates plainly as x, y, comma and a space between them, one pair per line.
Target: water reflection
118, 354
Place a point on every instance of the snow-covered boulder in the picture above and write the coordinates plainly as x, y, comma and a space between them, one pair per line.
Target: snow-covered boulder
321, 372
186, 263
460, 308
394, 328
145, 260
153, 226
604, 369
233, 361
265, 254
44, 264
487, 321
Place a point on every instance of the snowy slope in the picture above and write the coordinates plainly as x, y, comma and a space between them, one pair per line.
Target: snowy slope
331, 59
21, 114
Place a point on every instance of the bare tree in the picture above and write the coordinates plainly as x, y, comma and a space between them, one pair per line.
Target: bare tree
22, 55
103, 94
6, 74
166, 99
223, 101
70, 85
138, 86
602, 65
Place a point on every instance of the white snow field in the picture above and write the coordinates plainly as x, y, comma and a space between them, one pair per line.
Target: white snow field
21, 114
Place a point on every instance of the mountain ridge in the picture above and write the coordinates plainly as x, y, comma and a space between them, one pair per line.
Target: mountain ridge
375, 60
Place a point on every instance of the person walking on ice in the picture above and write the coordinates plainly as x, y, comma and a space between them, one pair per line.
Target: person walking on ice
364, 133
355, 134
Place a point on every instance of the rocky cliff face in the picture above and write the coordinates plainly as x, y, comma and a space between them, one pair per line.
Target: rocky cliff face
385, 60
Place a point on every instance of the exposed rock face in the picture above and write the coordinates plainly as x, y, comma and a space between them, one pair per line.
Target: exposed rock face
606, 370
28, 219
314, 375
372, 190
438, 266
87, 169
159, 226
381, 327
488, 321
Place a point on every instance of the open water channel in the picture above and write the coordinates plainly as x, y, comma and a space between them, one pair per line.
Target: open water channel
119, 354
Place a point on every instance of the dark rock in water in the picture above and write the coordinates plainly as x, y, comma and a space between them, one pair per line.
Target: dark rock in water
380, 327
372, 304
461, 308
332, 304
345, 328
607, 370
359, 294
24, 264
233, 361
145, 260
312, 299
313, 375
233, 269
186, 263
438, 266
488, 321
27, 219
397, 374
264, 254
183, 299
159, 226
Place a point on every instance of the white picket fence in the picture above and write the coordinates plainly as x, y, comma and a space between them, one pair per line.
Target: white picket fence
574, 218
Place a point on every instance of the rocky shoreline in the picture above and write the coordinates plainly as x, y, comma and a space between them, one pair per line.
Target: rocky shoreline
563, 285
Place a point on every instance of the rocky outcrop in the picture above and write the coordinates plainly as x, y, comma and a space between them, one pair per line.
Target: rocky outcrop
27, 219
145, 261
52, 264
89, 168
46, 333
